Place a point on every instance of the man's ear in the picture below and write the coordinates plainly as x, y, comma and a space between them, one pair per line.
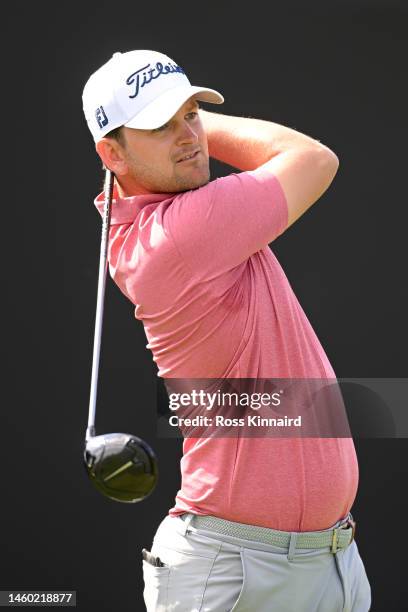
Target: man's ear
112, 155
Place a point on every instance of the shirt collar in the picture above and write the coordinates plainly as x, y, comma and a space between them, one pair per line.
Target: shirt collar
125, 210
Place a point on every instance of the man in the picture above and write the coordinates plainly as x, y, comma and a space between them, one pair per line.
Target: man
259, 523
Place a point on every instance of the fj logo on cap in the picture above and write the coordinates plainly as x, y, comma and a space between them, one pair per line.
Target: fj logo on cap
149, 75
101, 117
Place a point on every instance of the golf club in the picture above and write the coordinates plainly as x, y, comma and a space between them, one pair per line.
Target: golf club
121, 466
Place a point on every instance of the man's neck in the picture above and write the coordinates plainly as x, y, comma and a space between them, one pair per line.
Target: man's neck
126, 189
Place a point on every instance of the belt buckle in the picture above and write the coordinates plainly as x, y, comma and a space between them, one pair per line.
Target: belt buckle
334, 543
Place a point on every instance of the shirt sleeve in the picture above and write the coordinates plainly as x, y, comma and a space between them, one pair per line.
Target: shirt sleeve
220, 225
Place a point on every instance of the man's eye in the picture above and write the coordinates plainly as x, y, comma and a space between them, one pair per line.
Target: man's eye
192, 115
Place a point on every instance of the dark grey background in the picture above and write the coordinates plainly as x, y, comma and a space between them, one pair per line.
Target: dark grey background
334, 70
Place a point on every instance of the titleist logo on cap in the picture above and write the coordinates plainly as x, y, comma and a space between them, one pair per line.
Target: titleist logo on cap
149, 75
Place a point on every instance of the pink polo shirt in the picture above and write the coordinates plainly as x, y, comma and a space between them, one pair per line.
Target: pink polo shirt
215, 303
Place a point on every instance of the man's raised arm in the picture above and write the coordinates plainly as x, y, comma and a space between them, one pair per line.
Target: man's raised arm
304, 167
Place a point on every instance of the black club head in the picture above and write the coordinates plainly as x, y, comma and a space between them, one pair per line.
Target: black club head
121, 466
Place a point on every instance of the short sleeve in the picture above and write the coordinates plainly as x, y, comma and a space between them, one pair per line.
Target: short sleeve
220, 225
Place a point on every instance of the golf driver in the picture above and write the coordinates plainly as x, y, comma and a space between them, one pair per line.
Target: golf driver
121, 466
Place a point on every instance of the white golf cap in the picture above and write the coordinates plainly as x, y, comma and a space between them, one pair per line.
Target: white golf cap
138, 89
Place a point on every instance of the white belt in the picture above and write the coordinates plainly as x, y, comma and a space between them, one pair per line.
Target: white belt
336, 538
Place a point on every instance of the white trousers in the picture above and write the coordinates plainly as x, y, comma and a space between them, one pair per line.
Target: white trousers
207, 572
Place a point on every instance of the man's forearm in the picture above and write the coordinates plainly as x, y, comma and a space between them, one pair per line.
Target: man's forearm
246, 143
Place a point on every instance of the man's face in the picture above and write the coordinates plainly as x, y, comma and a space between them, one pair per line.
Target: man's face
154, 157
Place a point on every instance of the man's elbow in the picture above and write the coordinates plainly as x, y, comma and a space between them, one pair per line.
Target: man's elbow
331, 163
327, 164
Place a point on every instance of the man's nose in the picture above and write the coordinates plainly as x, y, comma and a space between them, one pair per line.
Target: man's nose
186, 133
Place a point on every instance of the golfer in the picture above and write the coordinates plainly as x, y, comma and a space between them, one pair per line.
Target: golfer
260, 523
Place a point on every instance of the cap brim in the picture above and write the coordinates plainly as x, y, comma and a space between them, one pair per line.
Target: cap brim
158, 112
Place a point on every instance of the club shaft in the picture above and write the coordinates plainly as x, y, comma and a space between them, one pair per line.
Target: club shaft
108, 190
